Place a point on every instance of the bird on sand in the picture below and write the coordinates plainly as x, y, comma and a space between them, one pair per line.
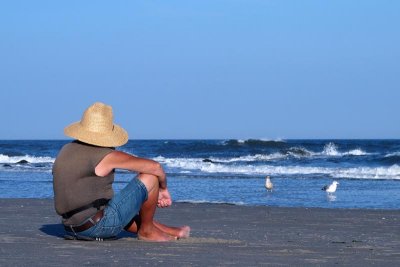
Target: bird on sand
330, 188
268, 183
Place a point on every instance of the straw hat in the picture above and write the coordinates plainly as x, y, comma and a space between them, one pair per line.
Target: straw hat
97, 128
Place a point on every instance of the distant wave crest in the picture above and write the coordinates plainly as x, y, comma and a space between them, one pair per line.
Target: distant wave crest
254, 142
392, 158
5, 159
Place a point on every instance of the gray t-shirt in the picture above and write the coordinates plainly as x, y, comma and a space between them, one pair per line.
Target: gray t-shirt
75, 183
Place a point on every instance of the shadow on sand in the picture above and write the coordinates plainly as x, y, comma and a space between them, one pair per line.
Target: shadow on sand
53, 230
57, 230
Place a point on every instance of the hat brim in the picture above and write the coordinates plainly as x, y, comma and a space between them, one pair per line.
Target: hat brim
117, 137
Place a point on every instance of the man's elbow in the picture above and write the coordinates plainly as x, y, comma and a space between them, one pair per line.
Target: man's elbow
158, 169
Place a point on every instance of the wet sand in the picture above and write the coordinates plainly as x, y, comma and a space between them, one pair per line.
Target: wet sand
31, 235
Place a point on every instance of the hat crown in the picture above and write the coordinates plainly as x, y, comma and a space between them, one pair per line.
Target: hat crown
97, 127
98, 118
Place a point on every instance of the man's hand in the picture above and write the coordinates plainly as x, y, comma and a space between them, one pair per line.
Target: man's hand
164, 198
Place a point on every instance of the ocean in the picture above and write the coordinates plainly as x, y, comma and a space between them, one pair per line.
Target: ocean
234, 171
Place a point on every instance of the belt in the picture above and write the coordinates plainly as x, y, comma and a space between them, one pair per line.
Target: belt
89, 223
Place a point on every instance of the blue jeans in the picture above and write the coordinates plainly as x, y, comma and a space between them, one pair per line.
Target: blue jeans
119, 211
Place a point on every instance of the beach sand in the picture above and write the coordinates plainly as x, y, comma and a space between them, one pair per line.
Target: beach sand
31, 235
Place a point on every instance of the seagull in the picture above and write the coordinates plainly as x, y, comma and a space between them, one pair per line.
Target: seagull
268, 183
330, 188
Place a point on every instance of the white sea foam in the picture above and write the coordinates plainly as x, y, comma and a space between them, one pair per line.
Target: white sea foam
331, 149
238, 203
261, 140
195, 164
250, 158
395, 154
31, 159
278, 140
356, 152
392, 172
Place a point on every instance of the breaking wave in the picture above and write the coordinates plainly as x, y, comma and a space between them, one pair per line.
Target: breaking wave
190, 165
5, 159
331, 149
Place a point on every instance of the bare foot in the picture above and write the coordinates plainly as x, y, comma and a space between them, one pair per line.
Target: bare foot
185, 232
154, 234
179, 232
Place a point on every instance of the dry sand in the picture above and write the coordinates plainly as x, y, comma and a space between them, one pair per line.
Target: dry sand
221, 235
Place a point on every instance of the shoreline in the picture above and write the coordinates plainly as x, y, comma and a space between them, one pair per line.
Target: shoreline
222, 234
236, 204
283, 207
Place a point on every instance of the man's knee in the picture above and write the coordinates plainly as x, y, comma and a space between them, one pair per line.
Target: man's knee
149, 181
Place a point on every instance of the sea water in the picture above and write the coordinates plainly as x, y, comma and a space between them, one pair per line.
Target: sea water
233, 171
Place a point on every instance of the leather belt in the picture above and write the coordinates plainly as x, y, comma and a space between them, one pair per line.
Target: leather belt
89, 223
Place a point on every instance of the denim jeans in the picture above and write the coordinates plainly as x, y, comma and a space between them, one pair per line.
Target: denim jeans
119, 211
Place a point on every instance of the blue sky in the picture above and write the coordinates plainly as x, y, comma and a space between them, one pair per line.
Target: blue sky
202, 69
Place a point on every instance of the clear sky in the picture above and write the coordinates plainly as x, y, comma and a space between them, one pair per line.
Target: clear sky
202, 68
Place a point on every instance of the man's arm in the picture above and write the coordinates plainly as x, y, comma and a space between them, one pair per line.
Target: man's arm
121, 160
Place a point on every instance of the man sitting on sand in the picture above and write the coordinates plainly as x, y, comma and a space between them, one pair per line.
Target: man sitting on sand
83, 174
